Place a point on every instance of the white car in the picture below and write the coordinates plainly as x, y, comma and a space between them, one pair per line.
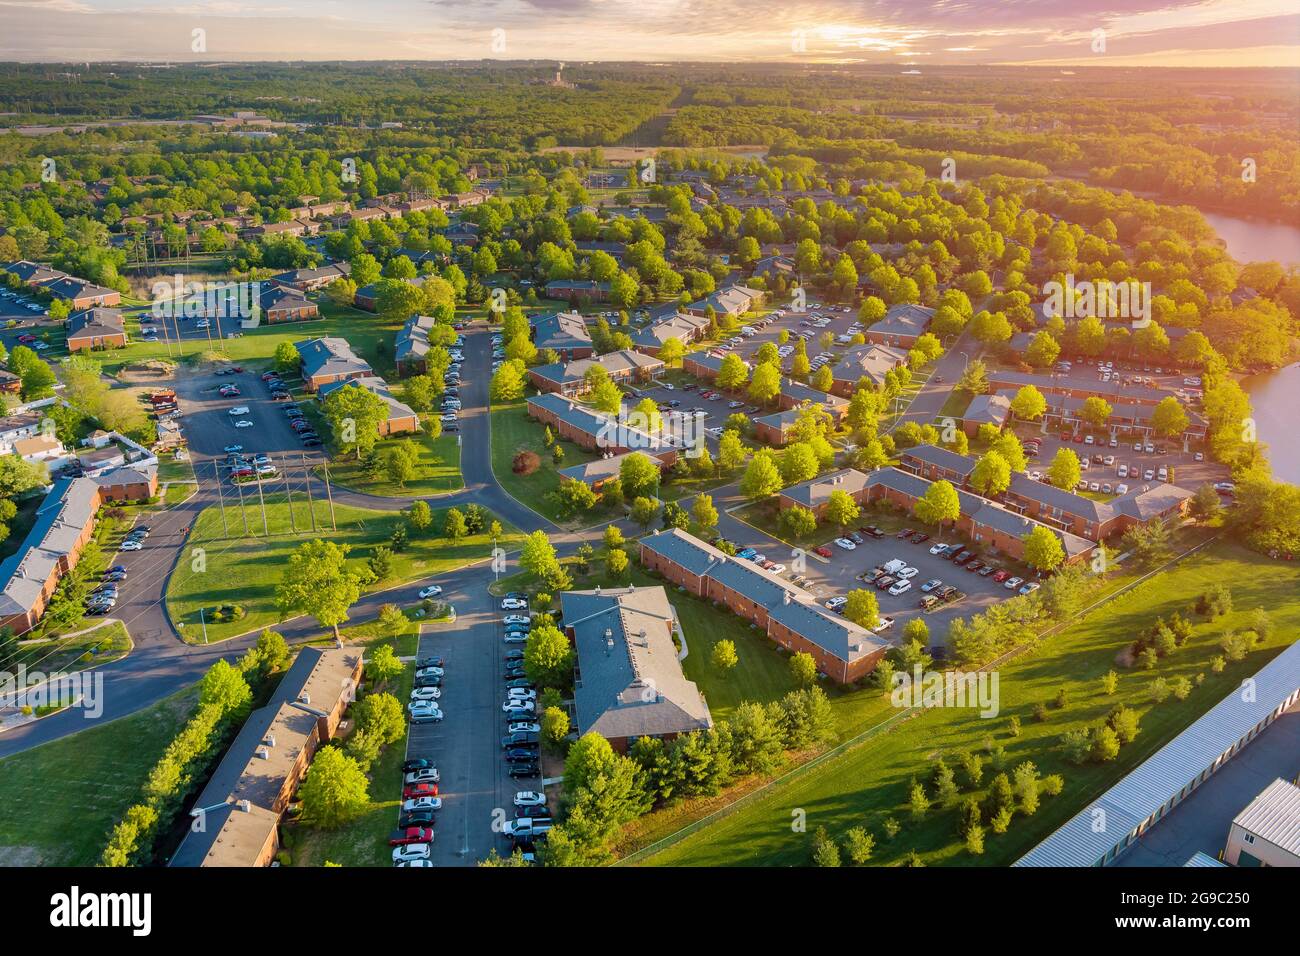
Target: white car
835, 603
939, 546
846, 544
421, 804
522, 693
131, 546
514, 604
515, 703
1030, 588
908, 573
524, 727
776, 568
516, 619
243, 423
411, 852
426, 693
427, 775
530, 798
430, 672
238, 410
425, 711
433, 590
900, 588
516, 637
1012, 583
1121, 489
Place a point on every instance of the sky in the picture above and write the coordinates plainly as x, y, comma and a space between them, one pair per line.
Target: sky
912, 33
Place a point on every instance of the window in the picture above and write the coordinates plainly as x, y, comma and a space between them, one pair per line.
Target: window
1248, 838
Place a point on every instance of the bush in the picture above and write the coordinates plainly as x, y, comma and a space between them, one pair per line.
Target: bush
525, 463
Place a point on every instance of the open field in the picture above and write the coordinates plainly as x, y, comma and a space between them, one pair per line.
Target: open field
512, 432
436, 473
244, 571
869, 783
104, 766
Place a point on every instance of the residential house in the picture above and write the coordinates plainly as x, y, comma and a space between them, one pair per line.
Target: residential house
80, 294
309, 280
872, 362
578, 290
992, 410
733, 300
284, 304
570, 378
329, 359
564, 332
594, 430
402, 419
138, 482
682, 326
411, 347
901, 326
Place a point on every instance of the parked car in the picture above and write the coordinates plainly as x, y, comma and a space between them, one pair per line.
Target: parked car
520, 770
433, 590
846, 544
410, 835
1012, 583
411, 853
417, 790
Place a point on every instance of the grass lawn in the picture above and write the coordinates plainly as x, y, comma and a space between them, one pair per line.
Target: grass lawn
244, 571
178, 492
512, 432
869, 783
370, 335
21, 524
438, 471
955, 405
169, 469
105, 643
104, 766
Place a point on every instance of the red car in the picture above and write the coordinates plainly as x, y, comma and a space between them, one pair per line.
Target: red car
411, 835
420, 790
1001, 576
824, 551
26, 338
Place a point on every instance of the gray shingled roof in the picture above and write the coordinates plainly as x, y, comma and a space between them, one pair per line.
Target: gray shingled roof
376, 386
871, 361
817, 491
621, 361
560, 330
329, 355
904, 320
96, 321
993, 409
62, 516
413, 338
786, 603
942, 458
631, 682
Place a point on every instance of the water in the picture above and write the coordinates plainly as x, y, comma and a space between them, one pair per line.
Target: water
1257, 240
1275, 397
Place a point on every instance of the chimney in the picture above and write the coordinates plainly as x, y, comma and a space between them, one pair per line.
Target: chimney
263, 753
785, 597
244, 805
609, 640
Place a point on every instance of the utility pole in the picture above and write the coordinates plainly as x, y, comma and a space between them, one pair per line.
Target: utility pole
288, 492
266, 529
311, 504
330, 496
221, 499
239, 487
204, 621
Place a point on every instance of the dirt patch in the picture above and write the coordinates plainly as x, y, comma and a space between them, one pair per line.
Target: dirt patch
153, 372
20, 856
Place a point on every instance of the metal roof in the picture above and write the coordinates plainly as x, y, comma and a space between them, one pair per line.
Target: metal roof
1174, 766
1274, 816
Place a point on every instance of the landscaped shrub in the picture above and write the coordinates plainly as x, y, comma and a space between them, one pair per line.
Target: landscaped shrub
525, 463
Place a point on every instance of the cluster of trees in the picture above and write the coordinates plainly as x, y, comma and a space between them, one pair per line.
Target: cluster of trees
604, 790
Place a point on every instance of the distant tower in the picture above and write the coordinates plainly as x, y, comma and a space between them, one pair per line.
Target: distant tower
559, 79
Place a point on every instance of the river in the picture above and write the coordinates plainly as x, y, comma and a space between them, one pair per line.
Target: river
1275, 397
1257, 240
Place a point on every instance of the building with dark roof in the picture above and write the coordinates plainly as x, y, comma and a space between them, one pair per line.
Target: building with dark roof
901, 326
793, 394
80, 294
285, 304
329, 359
596, 431
96, 328
570, 378
788, 614
411, 346
628, 680
402, 419
309, 280
578, 290
992, 410
684, 327
872, 362
564, 332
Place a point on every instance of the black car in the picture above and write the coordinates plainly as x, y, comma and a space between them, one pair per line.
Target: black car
310, 442
522, 739
515, 673
521, 682
429, 681
417, 818
515, 655
532, 812
417, 763
429, 662
525, 770
521, 754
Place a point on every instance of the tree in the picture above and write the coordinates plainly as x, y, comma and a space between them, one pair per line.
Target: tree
732, 373
1028, 404
616, 560
384, 665
555, 726
1205, 503
798, 463
419, 516
723, 656
335, 790
400, 464
765, 384
798, 521
538, 555
355, 414
18, 476
704, 512
991, 474
1095, 411
286, 357
507, 382
548, 657
1043, 351
761, 478
639, 476
1064, 472
731, 451
1168, 418
453, 525
841, 509
1007, 444
1043, 550
643, 511
803, 667
574, 496
939, 504
224, 685
671, 351
318, 582
858, 845
974, 378
380, 715
861, 608
272, 651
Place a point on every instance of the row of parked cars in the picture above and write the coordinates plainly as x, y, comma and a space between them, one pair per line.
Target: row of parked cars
412, 841
521, 743
104, 597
